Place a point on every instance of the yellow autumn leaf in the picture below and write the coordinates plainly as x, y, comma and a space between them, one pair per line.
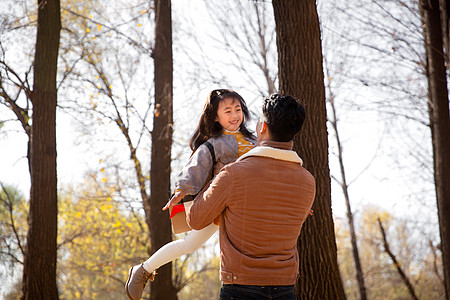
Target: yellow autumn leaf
88, 30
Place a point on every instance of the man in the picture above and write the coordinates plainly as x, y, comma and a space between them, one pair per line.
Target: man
262, 199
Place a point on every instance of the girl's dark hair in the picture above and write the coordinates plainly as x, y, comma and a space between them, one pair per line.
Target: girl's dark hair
208, 127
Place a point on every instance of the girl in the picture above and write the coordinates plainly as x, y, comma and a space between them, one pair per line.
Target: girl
222, 125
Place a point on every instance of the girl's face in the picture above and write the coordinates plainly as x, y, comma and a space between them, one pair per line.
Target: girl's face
229, 114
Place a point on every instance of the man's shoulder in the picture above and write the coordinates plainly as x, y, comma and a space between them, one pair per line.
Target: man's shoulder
308, 175
250, 162
259, 162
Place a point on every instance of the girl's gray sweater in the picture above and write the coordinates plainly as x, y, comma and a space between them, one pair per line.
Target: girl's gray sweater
193, 176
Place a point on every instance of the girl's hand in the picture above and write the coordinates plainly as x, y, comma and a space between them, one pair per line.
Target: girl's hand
175, 199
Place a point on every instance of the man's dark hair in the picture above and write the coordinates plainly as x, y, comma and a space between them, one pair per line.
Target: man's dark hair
284, 116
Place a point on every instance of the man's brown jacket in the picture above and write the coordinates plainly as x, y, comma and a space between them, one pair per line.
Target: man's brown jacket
263, 200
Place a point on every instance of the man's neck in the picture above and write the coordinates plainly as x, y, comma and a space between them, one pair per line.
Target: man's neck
274, 144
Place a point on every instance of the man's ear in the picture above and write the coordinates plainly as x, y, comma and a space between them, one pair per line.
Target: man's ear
263, 128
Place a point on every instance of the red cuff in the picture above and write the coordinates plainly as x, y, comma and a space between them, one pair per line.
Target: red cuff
177, 209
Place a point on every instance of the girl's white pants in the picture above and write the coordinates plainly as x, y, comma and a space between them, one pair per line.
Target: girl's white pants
188, 244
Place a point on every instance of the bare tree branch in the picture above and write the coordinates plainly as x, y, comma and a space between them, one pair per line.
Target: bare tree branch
396, 263
9, 202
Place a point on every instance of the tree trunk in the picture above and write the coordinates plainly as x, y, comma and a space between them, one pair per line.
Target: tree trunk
301, 75
159, 223
39, 270
439, 122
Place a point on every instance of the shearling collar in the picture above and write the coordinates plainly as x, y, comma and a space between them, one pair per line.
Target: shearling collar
276, 150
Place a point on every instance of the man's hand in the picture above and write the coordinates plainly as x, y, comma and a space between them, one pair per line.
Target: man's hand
175, 199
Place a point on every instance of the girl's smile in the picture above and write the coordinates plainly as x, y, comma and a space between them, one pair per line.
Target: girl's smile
229, 114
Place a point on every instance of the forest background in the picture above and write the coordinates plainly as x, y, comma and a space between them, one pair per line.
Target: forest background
376, 92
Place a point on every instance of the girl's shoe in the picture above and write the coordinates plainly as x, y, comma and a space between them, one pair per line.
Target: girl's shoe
137, 279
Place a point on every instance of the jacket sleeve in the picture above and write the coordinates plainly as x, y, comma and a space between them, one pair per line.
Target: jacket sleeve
211, 202
193, 176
